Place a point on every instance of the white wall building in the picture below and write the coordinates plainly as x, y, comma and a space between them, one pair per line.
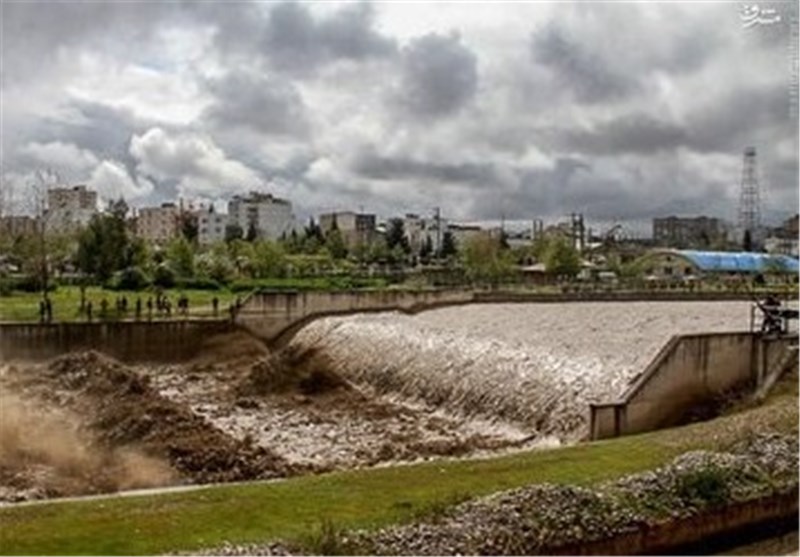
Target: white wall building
272, 217
419, 229
210, 226
69, 209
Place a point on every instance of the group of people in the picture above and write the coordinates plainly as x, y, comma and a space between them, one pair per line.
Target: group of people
160, 306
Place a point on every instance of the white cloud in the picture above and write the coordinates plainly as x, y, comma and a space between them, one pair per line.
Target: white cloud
111, 180
70, 161
194, 161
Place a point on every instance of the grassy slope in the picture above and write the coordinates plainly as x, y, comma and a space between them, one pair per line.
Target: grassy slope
294, 508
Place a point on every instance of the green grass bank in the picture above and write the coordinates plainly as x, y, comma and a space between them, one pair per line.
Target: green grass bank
295, 509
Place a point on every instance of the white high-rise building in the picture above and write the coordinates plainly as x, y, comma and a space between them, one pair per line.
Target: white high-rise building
270, 216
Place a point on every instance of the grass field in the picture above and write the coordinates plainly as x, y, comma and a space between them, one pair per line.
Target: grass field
66, 300
295, 509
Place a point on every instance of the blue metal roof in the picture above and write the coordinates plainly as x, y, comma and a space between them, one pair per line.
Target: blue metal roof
746, 262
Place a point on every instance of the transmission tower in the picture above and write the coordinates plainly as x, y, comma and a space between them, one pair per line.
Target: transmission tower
749, 196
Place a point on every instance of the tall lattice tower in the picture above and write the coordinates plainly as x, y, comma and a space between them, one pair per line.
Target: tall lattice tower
749, 195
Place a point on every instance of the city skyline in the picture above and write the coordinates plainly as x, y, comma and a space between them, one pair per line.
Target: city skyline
620, 111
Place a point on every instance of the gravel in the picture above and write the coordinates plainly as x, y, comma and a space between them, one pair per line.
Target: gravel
541, 518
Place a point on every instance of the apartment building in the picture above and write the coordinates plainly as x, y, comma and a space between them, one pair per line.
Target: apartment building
158, 225
270, 216
69, 209
356, 228
687, 232
210, 226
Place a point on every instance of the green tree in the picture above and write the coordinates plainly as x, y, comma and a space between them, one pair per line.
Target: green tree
252, 232
335, 243
449, 247
180, 255
233, 232
270, 259
426, 249
396, 236
188, 226
561, 258
103, 246
486, 261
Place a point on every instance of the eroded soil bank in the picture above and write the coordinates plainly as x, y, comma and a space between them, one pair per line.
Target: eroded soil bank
84, 423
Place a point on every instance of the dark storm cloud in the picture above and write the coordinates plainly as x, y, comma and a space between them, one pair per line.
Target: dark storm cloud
376, 167
537, 192
589, 77
257, 102
632, 133
741, 117
297, 42
439, 76
97, 127
35, 33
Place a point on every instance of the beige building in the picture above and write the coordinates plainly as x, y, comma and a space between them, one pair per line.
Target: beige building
13, 226
356, 228
69, 209
692, 232
158, 225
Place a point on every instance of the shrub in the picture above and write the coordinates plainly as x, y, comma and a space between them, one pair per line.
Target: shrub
707, 485
164, 276
132, 278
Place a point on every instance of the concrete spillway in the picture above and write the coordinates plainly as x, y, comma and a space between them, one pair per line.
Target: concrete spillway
537, 366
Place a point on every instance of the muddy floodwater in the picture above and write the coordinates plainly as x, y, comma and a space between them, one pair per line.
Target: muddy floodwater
361, 390
531, 366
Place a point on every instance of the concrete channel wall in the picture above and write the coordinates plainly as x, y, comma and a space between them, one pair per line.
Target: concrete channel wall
161, 341
272, 315
685, 536
689, 370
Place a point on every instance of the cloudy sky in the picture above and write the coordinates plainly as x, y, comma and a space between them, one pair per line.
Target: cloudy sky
622, 111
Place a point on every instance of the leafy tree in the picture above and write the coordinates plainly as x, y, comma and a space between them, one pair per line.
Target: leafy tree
233, 232
426, 250
252, 232
270, 260
103, 247
486, 261
335, 243
164, 276
448, 247
216, 264
396, 236
242, 255
180, 255
747, 243
189, 226
561, 258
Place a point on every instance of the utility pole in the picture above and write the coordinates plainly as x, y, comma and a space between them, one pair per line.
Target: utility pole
438, 217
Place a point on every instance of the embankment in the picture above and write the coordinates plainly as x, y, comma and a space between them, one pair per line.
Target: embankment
158, 341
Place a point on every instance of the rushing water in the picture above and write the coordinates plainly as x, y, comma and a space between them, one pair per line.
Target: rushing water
534, 365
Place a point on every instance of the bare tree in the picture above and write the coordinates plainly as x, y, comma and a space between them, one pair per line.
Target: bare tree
36, 199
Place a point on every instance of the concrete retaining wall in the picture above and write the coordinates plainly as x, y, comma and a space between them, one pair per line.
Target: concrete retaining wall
124, 340
272, 315
689, 369
673, 536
